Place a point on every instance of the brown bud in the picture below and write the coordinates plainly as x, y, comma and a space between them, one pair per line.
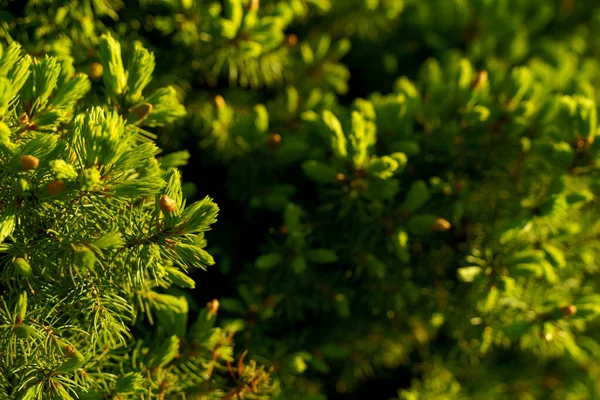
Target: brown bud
167, 205
284, 229
583, 143
270, 301
29, 162
480, 80
24, 119
274, 139
254, 4
566, 6
96, 70
291, 40
220, 101
440, 225
56, 187
69, 351
569, 311
212, 306
340, 177
552, 382
141, 111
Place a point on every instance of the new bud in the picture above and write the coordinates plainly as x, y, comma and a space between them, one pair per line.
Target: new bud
22, 267
569, 311
274, 139
96, 70
291, 40
212, 306
29, 162
142, 110
55, 188
220, 101
167, 205
480, 80
440, 225
21, 307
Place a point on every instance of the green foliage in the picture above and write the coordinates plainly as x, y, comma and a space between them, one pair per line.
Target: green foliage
409, 189
89, 251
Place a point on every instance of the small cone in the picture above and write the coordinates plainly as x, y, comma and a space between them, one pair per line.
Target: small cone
142, 110
480, 80
29, 162
569, 311
96, 70
275, 139
440, 225
220, 101
56, 187
292, 40
167, 205
213, 306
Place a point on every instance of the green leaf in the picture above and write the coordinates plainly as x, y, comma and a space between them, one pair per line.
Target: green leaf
342, 305
298, 264
171, 313
72, 91
527, 270
165, 353
110, 240
166, 107
362, 137
179, 278
140, 69
525, 256
114, 77
194, 255
143, 187
338, 140
21, 308
468, 274
321, 256
320, 172
421, 224
24, 331
268, 261
9, 57
74, 359
7, 223
199, 216
175, 160
297, 362
131, 383
417, 196
382, 167
22, 267
517, 330
62, 170
291, 217
42, 82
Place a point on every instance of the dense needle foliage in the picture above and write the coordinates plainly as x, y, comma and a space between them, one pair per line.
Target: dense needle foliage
407, 189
